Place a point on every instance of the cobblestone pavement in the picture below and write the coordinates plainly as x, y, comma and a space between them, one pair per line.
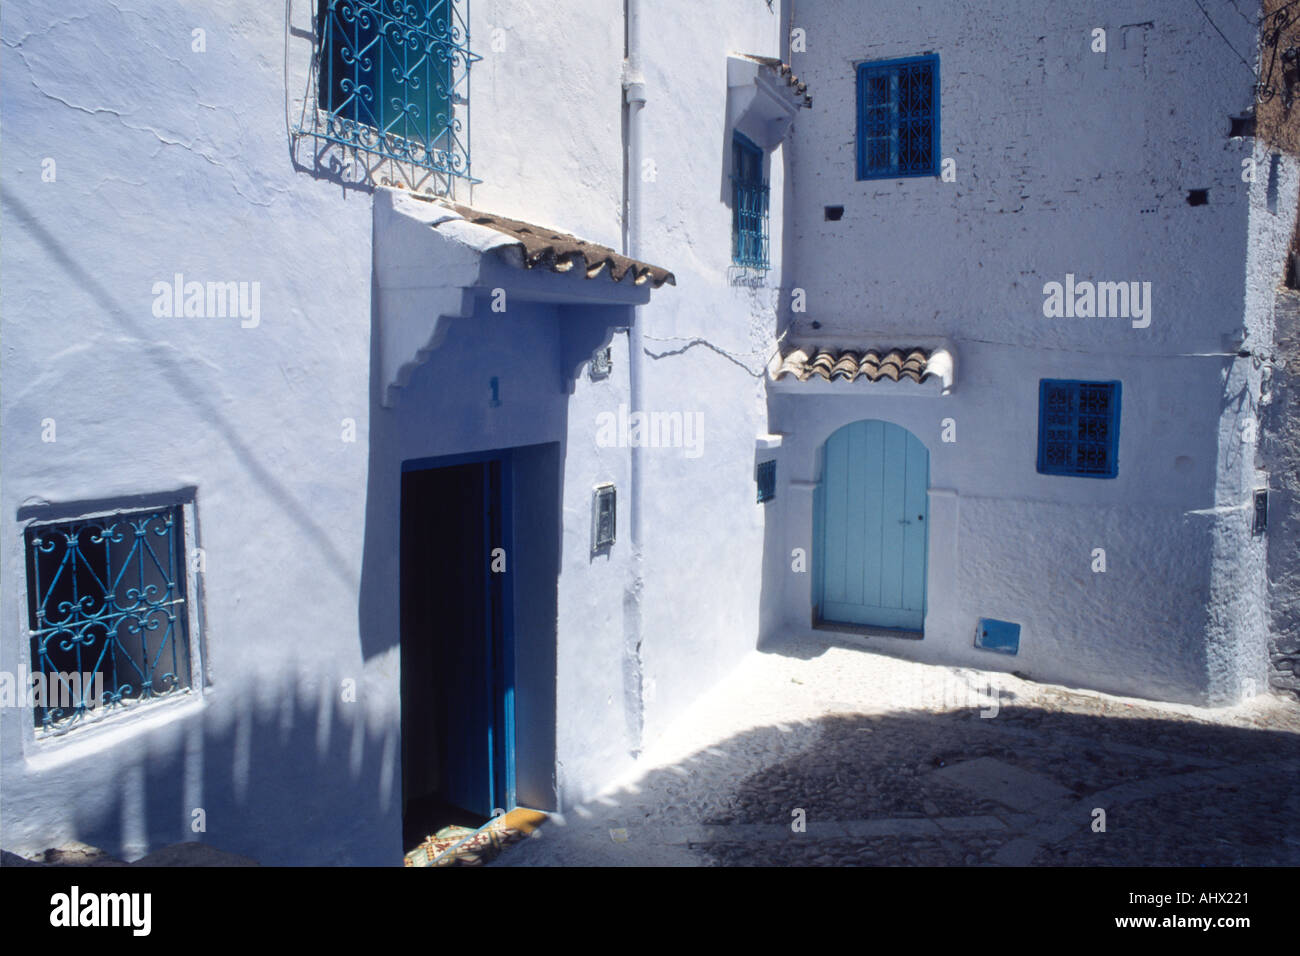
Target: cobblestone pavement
891, 763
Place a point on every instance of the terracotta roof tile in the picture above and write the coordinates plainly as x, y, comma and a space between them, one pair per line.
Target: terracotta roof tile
784, 71
548, 248
836, 364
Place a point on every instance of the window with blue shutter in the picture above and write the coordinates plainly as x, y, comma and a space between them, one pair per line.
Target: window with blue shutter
1078, 428
749, 204
898, 118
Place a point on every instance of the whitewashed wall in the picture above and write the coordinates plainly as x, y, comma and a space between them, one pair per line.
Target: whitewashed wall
170, 160
1067, 161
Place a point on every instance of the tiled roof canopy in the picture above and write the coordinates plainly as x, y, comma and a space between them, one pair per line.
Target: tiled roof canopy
560, 251
835, 364
783, 70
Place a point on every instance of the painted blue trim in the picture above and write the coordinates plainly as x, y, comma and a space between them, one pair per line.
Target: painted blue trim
1070, 436
897, 168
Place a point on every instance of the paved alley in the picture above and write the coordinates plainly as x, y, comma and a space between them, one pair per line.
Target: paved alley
811, 754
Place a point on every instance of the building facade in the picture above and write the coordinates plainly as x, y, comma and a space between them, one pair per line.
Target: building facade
411, 407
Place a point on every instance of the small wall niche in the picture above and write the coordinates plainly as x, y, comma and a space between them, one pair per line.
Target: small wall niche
834, 213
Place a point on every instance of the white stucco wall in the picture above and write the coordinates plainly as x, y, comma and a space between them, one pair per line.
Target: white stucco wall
1067, 161
174, 161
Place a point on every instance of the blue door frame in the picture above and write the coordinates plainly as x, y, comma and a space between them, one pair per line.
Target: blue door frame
871, 521
498, 749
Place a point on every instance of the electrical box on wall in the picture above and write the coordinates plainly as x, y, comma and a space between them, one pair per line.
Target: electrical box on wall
603, 514
1000, 636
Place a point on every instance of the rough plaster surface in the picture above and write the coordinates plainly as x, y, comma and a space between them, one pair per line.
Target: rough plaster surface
1281, 455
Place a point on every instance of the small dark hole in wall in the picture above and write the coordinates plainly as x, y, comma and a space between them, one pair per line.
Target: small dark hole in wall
1242, 126
1293, 271
1198, 197
834, 213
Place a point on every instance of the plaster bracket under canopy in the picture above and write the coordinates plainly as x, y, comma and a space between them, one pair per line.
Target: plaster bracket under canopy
431, 264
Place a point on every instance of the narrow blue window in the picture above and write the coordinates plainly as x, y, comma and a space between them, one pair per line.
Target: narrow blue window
898, 118
1078, 428
749, 204
765, 477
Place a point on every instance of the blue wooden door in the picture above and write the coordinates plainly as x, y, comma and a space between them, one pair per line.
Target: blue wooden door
874, 512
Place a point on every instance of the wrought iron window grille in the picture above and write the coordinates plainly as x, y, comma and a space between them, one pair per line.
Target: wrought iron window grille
749, 219
898, 118
389, 87
108, 614
1078, 428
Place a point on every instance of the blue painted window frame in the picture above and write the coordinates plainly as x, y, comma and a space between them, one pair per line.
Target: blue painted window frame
901, 116
749, 204
1073, 431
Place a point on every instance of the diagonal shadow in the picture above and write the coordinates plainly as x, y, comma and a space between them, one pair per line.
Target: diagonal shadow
188, 391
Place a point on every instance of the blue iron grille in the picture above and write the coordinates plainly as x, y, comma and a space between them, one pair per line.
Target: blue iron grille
1078, 428
749, 205
898, 118
106, 603
389, 74
765, 477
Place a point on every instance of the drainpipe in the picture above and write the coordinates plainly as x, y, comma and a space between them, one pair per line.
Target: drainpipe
634, 97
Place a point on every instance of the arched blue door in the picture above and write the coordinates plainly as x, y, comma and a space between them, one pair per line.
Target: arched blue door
873, 512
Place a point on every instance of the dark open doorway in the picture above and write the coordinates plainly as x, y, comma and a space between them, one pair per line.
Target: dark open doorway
457, 661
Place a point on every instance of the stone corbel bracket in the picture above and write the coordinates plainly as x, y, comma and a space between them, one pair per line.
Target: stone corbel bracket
762, 98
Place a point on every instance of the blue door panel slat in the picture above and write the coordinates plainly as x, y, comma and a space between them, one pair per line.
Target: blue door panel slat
856, 516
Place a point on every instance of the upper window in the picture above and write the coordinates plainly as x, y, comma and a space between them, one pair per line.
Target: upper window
749, 204
390, 76
1078, 428
107, 612
898, 118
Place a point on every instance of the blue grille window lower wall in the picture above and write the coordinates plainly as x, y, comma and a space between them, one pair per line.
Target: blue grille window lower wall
898, 118
1078, 428
107, 613
749, 205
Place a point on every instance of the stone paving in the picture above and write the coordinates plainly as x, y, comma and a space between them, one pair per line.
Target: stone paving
891, 763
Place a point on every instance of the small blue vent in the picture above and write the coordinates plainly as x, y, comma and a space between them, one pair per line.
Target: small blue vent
765, 476
1000, 636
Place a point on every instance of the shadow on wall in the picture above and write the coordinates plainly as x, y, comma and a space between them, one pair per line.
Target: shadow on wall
285, 773
947, 787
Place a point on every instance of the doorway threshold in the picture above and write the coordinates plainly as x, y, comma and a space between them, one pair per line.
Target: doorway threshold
864, 630
462, 846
